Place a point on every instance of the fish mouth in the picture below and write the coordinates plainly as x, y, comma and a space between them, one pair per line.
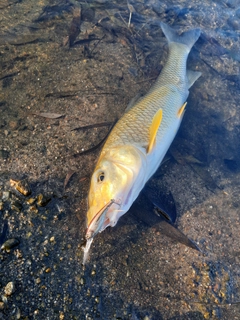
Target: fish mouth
97, 223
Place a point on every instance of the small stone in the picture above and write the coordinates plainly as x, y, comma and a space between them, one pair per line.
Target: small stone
9, 244
30, 201
13, 124
42, 200
97, 299
5, 195
1, 305
4, 154
16, 206
18, 254
38, 280
21, 186
52, 239
9, 289
33, 209
1, 205
48, 270
16, 313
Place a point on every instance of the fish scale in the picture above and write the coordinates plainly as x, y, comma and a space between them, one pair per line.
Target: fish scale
133, 127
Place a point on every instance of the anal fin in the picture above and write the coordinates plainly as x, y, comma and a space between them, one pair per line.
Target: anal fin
181, 110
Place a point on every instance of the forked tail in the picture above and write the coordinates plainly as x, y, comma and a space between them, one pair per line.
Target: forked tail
188, 38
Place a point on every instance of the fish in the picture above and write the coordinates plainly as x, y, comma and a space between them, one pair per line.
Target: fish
140, 139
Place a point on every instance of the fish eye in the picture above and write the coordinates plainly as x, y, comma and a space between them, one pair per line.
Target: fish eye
101, 177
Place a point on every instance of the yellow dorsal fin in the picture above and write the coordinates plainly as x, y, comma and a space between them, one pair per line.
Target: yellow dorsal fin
181, 110
157, 119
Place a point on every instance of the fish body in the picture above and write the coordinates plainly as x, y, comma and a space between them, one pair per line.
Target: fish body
140, 139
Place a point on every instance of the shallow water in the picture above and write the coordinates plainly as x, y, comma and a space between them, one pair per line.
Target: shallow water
135, 272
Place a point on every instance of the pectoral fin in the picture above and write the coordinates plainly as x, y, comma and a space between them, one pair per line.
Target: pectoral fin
157, 119
181, 110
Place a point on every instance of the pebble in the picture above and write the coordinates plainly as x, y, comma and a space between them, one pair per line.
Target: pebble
9, 244
42, 200
17, 313
21, 186
1, 305
16, 206
5, 195
9, 289
13, 124
33, 209
97, 299
18, 254
4, 154
31, 201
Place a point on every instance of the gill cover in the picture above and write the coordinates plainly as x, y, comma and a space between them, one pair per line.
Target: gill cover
114, 181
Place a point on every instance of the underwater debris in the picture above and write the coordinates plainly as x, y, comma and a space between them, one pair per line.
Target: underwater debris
21, 186
97, 145
131, 10
9, 244
68, 177
52, 12
74, 28
43, 200
49, 115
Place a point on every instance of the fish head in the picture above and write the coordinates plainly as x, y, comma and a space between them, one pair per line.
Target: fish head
116, 182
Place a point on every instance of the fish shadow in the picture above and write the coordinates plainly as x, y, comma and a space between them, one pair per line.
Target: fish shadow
154, 208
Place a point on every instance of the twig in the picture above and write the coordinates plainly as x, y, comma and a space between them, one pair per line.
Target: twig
97, 145
96, 125
91, 52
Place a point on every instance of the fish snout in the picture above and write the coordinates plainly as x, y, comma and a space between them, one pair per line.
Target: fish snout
103, 218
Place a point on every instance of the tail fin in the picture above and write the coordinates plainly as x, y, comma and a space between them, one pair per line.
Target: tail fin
188, 38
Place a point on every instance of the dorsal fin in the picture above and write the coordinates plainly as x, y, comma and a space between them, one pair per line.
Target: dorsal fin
134, 101
181, 110
157, 119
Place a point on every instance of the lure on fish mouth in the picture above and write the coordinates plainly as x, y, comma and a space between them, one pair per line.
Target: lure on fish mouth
140, 139
97, 222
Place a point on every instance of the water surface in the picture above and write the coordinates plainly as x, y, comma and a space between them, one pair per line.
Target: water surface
85, 71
